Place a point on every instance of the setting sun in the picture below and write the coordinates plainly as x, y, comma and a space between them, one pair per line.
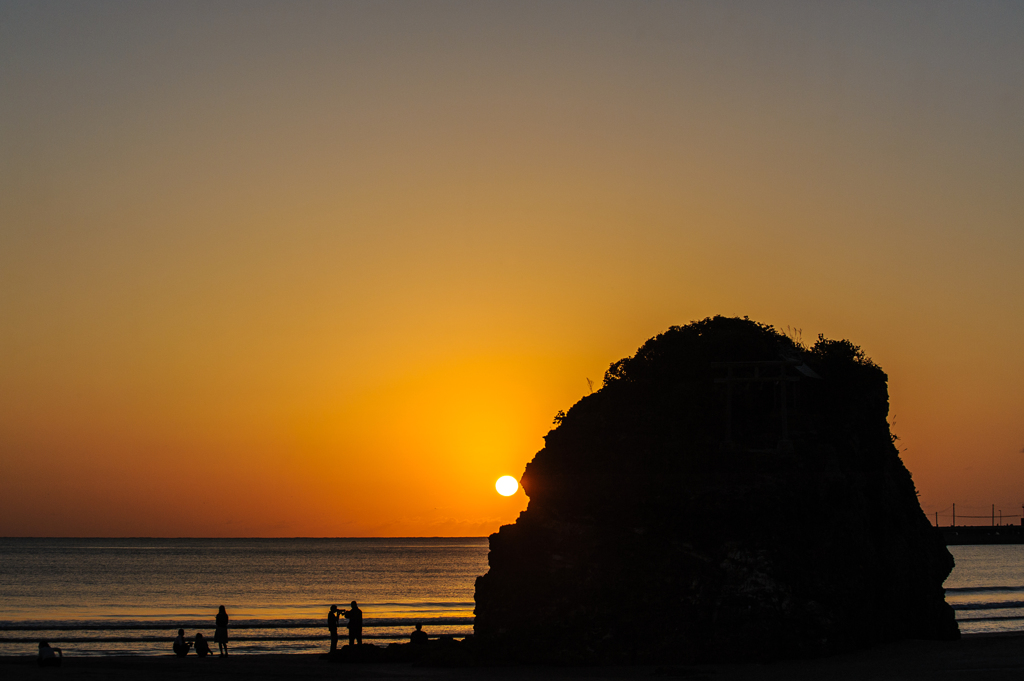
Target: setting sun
297, 263
506, 485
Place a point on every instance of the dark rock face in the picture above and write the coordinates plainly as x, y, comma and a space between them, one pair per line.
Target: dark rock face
676, 516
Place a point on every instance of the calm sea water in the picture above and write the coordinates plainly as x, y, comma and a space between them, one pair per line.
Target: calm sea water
129, 596
986, 588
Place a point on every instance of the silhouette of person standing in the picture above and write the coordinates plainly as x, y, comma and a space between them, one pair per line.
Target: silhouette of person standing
419, 637
332, 626
355, 624
220, 635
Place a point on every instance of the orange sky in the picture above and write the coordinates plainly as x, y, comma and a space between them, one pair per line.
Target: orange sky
331, 269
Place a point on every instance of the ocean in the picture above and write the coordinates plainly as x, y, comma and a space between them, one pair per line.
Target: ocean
986, 588
129, 596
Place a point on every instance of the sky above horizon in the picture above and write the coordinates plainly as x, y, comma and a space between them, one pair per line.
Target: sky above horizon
330, 269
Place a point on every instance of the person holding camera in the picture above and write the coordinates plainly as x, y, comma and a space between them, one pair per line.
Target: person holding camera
332, 626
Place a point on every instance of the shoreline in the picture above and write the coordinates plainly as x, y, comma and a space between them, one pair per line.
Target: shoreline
978, 656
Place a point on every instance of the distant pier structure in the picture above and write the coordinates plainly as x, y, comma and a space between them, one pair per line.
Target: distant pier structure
994, 533
983, 534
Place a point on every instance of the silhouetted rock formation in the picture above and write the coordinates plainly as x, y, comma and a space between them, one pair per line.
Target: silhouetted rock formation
670, 517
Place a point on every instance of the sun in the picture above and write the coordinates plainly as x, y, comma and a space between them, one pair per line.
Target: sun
506, 485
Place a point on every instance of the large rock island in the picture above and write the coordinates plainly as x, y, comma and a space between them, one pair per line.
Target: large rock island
728, 494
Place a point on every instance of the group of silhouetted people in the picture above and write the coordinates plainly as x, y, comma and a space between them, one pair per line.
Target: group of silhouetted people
202, 648
355, 633
355, 625
52, 657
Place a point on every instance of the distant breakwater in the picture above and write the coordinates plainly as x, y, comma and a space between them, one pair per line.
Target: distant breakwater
983, 534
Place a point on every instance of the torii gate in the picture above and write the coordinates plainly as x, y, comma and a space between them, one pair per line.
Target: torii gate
762, 372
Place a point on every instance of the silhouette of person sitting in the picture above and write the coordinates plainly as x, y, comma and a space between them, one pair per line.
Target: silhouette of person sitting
332, 626
418, 637
181, 646
49, 657
201, 646
355, 624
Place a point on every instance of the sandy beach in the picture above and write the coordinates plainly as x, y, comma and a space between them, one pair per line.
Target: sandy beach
978, 657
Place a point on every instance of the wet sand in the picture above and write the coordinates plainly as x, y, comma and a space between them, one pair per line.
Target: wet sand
998, 657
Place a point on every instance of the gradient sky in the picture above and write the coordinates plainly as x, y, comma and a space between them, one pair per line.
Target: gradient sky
330, 269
